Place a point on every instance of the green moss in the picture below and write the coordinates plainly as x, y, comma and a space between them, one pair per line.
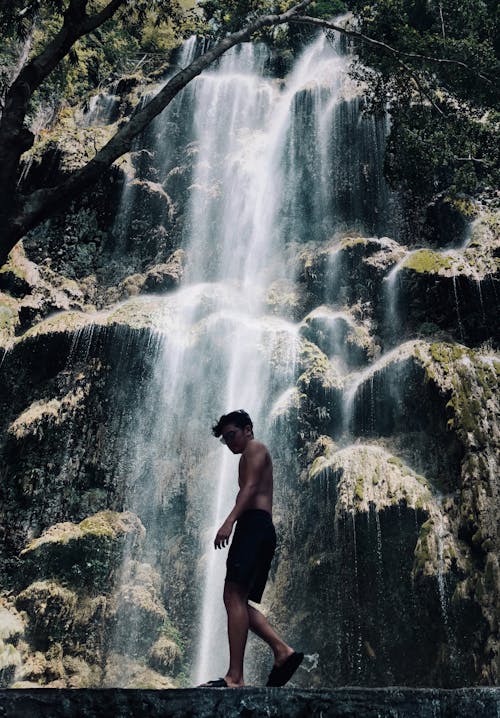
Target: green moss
86, 555
425, 260
9, 318
318, 465
464, 205
316, 368
50, 607
422, 555
422, 552
426, 528
102, 524
446, 353
11, 267
478, 538
173, 634
449, 552
394, 460
58, 323
353, 242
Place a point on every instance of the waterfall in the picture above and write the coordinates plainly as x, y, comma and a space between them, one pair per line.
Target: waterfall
269, 172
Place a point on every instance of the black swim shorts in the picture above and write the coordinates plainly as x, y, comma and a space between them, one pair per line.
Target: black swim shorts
251, 552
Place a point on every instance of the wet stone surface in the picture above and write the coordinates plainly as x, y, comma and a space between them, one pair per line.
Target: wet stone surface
256, 702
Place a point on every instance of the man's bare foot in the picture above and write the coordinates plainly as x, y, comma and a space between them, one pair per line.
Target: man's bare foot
233, 684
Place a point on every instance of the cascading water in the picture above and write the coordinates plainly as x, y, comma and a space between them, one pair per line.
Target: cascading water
268, 173
262, 194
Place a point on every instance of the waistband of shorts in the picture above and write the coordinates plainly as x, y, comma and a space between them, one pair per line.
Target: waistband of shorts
260, 514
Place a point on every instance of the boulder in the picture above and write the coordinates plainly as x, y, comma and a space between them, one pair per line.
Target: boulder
85, 554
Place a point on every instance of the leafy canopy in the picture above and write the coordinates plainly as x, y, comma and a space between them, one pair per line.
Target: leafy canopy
445, 116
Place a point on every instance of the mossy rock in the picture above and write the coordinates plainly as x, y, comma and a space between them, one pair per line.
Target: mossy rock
51, 610
10, 659
65, 146
362, 476
165, 655
81, 674
18, 275
162, 277
320, 383
336, 333
123, 672
348, 269
285, 299
88, 554
426, 260
41, 414
11, 632
9, 320
456, 291
472, 380
437, 552
317, 372
137, 615
448, 218
134, 314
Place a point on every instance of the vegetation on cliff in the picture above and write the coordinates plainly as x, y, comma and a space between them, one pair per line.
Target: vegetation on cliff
435, 66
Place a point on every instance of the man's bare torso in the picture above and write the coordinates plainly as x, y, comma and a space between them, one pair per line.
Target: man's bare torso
256, 465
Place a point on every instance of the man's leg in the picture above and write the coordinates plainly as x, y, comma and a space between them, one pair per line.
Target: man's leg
235, 600
260, 626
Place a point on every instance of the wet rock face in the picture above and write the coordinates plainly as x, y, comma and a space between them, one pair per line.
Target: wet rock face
383, 590
80, 605
389, 575
76, 626
381, 416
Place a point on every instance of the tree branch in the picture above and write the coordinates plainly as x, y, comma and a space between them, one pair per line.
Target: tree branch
15, 139
76, 24
95, 21
421, 86
307, 20
453, 158
39, 204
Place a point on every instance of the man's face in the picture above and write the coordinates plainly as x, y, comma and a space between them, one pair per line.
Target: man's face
235, 438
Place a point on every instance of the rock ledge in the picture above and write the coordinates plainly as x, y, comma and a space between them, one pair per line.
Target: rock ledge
393, 702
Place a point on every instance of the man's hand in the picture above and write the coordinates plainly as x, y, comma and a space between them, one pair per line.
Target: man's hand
223, 534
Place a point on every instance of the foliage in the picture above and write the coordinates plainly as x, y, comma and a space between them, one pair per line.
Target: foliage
226, 16
140, 31
432, 62
223, 16
445, 118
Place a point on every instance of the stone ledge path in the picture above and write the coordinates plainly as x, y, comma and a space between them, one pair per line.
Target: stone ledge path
347, 702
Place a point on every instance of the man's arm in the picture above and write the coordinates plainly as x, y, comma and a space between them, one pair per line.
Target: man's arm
251, 466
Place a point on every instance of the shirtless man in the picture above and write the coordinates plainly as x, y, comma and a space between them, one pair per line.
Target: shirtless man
250, 553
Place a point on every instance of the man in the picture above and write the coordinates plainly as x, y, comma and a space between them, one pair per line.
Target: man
250, 554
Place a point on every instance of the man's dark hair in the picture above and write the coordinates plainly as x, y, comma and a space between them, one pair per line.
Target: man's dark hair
239, 418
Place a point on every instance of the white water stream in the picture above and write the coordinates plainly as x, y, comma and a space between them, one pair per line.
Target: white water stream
268, 173
237, 236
